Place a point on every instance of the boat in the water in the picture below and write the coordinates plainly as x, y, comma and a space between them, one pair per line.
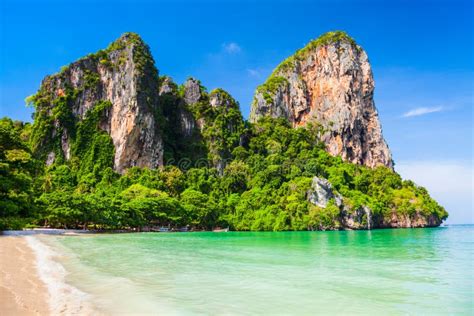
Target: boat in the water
220, 230
164, 229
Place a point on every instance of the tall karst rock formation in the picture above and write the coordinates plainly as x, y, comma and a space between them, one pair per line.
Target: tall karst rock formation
329, 82
120, 81
112, 107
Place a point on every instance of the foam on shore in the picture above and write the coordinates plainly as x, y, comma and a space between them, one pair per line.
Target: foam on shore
64, 299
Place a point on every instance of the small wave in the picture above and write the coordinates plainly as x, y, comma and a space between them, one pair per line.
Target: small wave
64, 299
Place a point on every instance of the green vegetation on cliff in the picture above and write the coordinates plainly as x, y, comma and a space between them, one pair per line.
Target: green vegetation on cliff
271, 87
92, 148
214, 130
276, 81
263, 187
324, 40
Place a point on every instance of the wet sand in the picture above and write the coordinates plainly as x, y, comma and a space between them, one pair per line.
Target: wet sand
21, 290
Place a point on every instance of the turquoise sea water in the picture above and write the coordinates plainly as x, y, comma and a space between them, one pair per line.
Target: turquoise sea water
415, 271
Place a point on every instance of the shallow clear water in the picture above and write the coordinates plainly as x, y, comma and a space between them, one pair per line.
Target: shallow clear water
416, 271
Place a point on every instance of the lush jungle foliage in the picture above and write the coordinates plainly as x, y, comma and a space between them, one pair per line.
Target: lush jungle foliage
262, 187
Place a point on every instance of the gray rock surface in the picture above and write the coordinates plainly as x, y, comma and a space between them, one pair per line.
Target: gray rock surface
362, 217
217, 99
166, 86
321, 193
192, 91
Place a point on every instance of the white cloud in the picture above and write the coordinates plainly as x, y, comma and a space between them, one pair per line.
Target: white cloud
231, 48
423, 111
253, 72
448, 182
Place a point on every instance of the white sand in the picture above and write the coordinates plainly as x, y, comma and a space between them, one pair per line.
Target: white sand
33, 283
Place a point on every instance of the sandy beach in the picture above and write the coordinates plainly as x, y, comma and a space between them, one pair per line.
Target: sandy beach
21, 290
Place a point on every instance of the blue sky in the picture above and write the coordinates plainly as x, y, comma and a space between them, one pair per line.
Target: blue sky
421, 53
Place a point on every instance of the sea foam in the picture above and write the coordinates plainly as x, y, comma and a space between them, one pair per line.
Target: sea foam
64, 299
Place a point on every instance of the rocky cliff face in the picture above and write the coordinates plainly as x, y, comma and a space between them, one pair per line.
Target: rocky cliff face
322, 193
183, 139
124, 75
202, 127
330, 83
183, 118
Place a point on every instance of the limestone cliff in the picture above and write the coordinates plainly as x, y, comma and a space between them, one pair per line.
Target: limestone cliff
124, 75
182, 137
202, 128
149, 119
329, 82
322, 193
